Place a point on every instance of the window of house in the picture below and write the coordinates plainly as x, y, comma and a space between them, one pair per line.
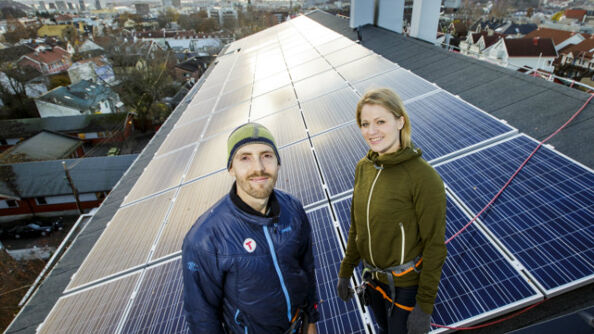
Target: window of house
8, 203
40, 201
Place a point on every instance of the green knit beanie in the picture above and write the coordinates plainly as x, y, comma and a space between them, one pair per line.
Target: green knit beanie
249, 133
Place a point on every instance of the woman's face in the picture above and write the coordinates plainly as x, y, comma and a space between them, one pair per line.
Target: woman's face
380, 129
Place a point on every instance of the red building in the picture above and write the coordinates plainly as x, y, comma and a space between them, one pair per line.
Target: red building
47, 60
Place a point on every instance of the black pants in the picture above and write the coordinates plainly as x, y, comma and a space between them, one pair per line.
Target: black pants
395, 323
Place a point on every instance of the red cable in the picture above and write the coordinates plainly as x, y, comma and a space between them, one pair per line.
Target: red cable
492, 201
520, 168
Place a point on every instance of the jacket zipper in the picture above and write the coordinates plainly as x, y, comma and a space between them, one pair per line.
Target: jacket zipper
402, 248
245, 328
368, 204
278, 271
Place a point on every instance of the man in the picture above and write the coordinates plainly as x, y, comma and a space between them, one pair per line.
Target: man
247, 261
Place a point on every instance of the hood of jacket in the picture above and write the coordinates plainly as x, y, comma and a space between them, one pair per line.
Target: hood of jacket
393, 158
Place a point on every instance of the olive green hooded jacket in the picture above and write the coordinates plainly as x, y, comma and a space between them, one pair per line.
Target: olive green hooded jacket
398, 212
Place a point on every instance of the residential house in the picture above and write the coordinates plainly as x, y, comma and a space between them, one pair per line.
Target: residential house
47, 60
192, 68
13, 53
91, 128
561, 38
574, 15
41, 187
516, 30
577, 60
46, 145
85, 97
96, 69
88, 46
475, 43
524, 53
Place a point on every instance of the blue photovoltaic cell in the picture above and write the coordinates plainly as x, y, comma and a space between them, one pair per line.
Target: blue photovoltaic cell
338, 152
442, 124
158, 305
299, 175
545, 215
403, 82
343, 211
336, 316
476, 279
286, 126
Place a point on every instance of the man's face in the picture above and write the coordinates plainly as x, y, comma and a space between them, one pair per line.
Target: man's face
255, 169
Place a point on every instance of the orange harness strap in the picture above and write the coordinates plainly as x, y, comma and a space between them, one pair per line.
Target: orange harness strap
409, 269
383, 293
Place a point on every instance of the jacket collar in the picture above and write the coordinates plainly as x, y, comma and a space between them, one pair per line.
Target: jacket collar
393, 158
247, 213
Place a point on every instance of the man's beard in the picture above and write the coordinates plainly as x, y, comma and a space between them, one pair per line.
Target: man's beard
259, 192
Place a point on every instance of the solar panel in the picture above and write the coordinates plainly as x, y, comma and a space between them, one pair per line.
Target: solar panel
295, 58
95, 310
211, 156
330, 110
338, 152
334, 45
403, 82
228, 119
319, 84
274, 101
299, 174
186, 134
286, 126
336, 316
157, 306
305, 70
544, 218
366, 67
443, 124
241, 95
192, 200
198, 109
163, 172
271, 83
347, 55
122, 236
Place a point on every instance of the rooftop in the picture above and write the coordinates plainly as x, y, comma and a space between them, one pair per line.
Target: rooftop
45, 145
84, 95
558, 36
530, 47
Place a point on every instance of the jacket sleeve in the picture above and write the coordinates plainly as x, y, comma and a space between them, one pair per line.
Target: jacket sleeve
430, 208
307, 262
352, 256
203, 290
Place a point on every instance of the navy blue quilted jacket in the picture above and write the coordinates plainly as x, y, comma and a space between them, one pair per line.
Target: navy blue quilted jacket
249, 272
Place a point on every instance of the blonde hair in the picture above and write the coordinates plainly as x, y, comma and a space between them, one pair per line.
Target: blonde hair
388, 99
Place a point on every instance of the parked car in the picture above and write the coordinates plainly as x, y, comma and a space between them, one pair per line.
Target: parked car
34, 229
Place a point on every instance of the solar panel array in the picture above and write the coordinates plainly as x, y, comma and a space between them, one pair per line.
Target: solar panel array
302, 81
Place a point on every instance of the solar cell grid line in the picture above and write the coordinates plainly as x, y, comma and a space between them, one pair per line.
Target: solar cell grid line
347, 55
157, 307
342, 208
272, 102
228, 119
330, 110
193, 199
286, 126
299, 175
339, 151
544, 217
126, 241
312, 67
210, 156
318, 85
336, 316
403, 82
161, 173
365, 68
96, 310
186, 134
436, 129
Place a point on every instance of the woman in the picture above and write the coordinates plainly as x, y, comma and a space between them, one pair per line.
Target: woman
397, 220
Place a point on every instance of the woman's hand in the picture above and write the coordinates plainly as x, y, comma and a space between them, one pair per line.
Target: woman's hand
344, 289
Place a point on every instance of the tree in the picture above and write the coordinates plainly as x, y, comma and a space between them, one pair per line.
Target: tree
13, 91
17, 31
70, 34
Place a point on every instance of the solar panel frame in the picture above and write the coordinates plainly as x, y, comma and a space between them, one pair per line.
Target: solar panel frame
318, 85
329, 111
406, 84
286, 126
